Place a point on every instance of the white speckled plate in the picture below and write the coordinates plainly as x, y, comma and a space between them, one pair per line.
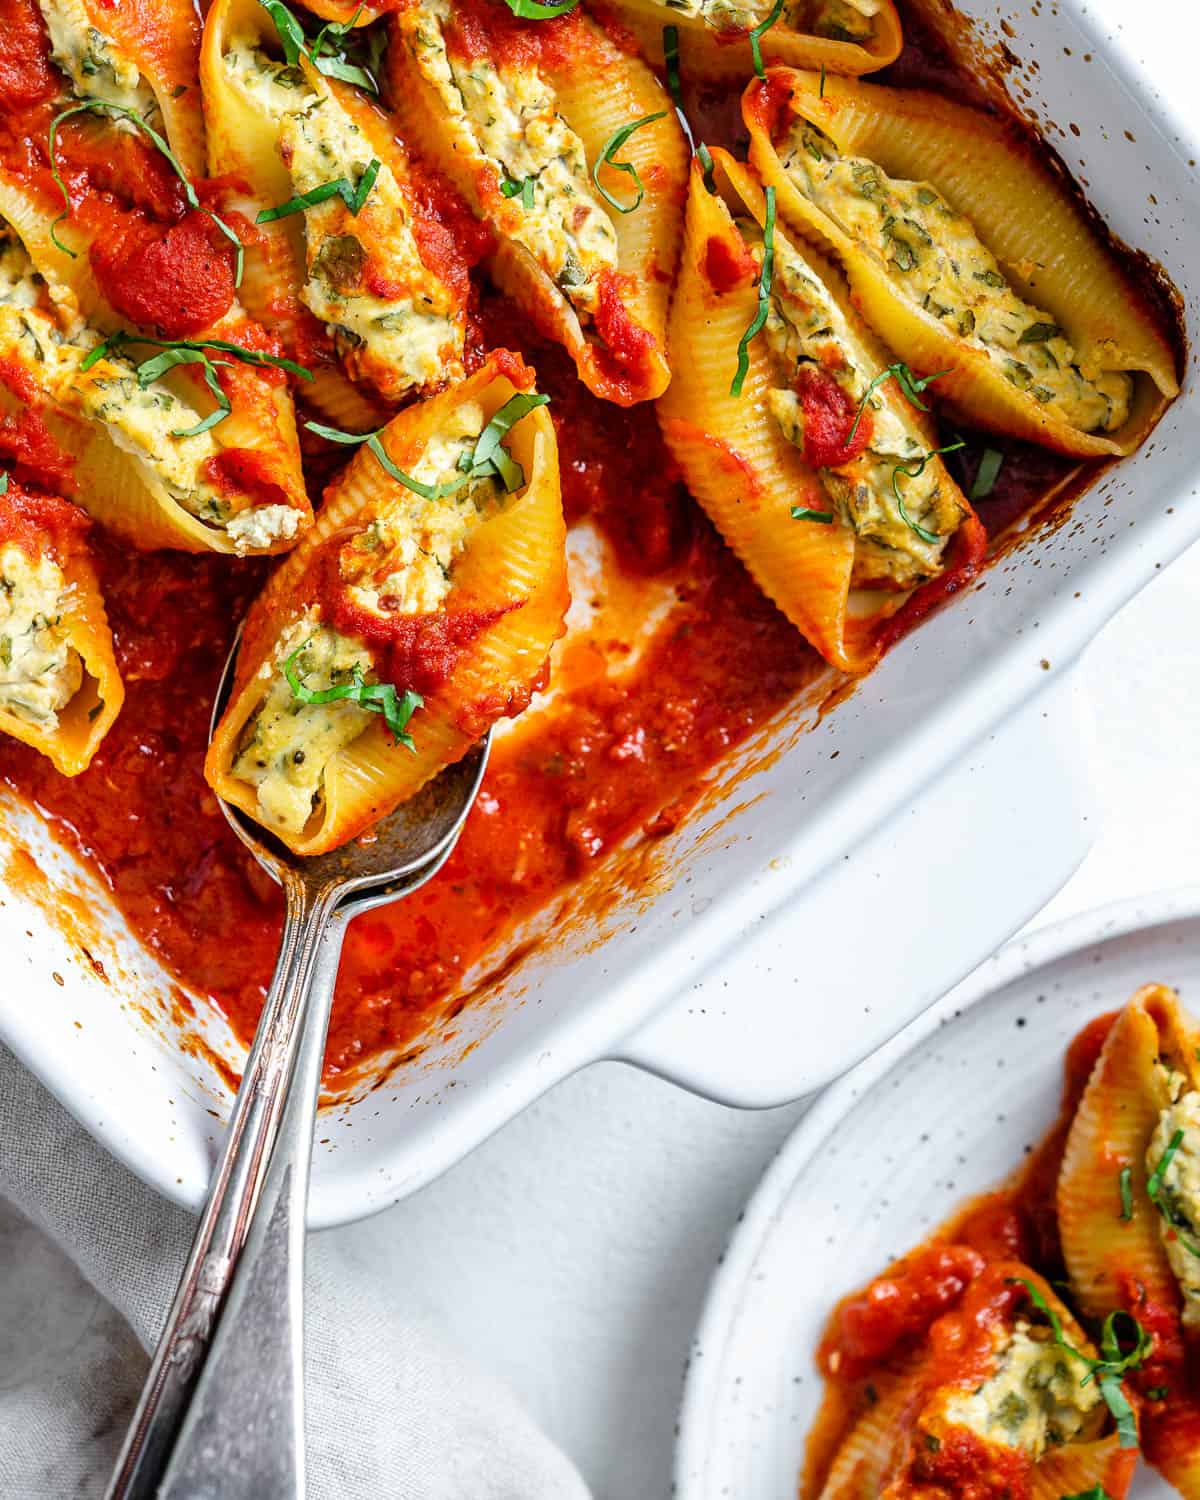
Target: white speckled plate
942, 1112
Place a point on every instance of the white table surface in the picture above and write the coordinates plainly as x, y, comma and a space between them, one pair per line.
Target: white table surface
570, 1253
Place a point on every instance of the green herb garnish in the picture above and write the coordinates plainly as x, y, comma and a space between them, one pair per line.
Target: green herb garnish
341, 187
765, 277
986, 475
536, 10
118, 340
4, 483
1125, 1187
488, 460
1097, 1492
914, 470
913, 387
759, 32
670, 41
607, 158
513, 187
1108, 1370
1160, 1170
803, 513
99, 106
378, 697
704, 156
296, 45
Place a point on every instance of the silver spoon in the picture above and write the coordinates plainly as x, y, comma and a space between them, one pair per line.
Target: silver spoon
221, 1415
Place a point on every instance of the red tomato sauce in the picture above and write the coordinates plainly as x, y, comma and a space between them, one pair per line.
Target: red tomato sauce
35, 522
619, 755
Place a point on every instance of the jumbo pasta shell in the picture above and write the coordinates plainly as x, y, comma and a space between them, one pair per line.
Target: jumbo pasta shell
620, 348
245, 146
84, 721
873, 1449
708, 52
1105, 1254
513, 568
1046, 247
736, 460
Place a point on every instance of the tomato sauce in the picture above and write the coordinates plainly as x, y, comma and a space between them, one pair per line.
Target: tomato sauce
616, 757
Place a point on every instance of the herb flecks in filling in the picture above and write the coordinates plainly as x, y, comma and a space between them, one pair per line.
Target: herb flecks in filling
1173, 1173
937, 261
1033, 1401
394, 321
509, 116
824, 404
400, 561
40, 672
96, 65
837, 20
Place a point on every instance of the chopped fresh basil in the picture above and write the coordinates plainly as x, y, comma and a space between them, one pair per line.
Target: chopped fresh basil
488, 460
341, 187
1108, 1370
100, 106
536, 10
4, 482
607, 158
986, 475
378, 697
821, 88
759, 32
121, 338
1160, 1171
360, 51
1125, 1187
803, 513
913, 387
670, 41
491, 459
704, 156
765, 277
1158, 1393
152, 369
913, 470
522, 187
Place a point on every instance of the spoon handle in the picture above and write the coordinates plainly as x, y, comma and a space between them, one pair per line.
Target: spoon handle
246, 1268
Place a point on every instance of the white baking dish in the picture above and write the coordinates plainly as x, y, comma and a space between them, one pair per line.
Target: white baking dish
817, 902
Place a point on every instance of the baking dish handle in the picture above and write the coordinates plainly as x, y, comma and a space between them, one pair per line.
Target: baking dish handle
910, 911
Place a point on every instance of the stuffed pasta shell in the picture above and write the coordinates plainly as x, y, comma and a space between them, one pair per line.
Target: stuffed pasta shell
809, 447
140, 57
418, 611
351, 264
996, 1396
156, 457
969, 257
59, 686
569, 148
713, 36
1129, 1211
147, 337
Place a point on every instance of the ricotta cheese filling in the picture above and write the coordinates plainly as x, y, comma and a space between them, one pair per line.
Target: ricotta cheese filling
508, 115
401, 562
289, 744
937, 261
40, 671
97, 67
1177, 1197
1032, 1401
806, 331
393, 321
140, 422
838, 20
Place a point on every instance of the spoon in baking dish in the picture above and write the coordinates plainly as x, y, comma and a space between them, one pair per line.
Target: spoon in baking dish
222, 1412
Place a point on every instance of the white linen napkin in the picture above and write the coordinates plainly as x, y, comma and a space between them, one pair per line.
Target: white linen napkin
89, 1259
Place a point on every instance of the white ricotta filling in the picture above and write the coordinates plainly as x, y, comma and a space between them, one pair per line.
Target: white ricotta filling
937, 261
40, 672
1033, 1401
1178, 1196
96, 65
